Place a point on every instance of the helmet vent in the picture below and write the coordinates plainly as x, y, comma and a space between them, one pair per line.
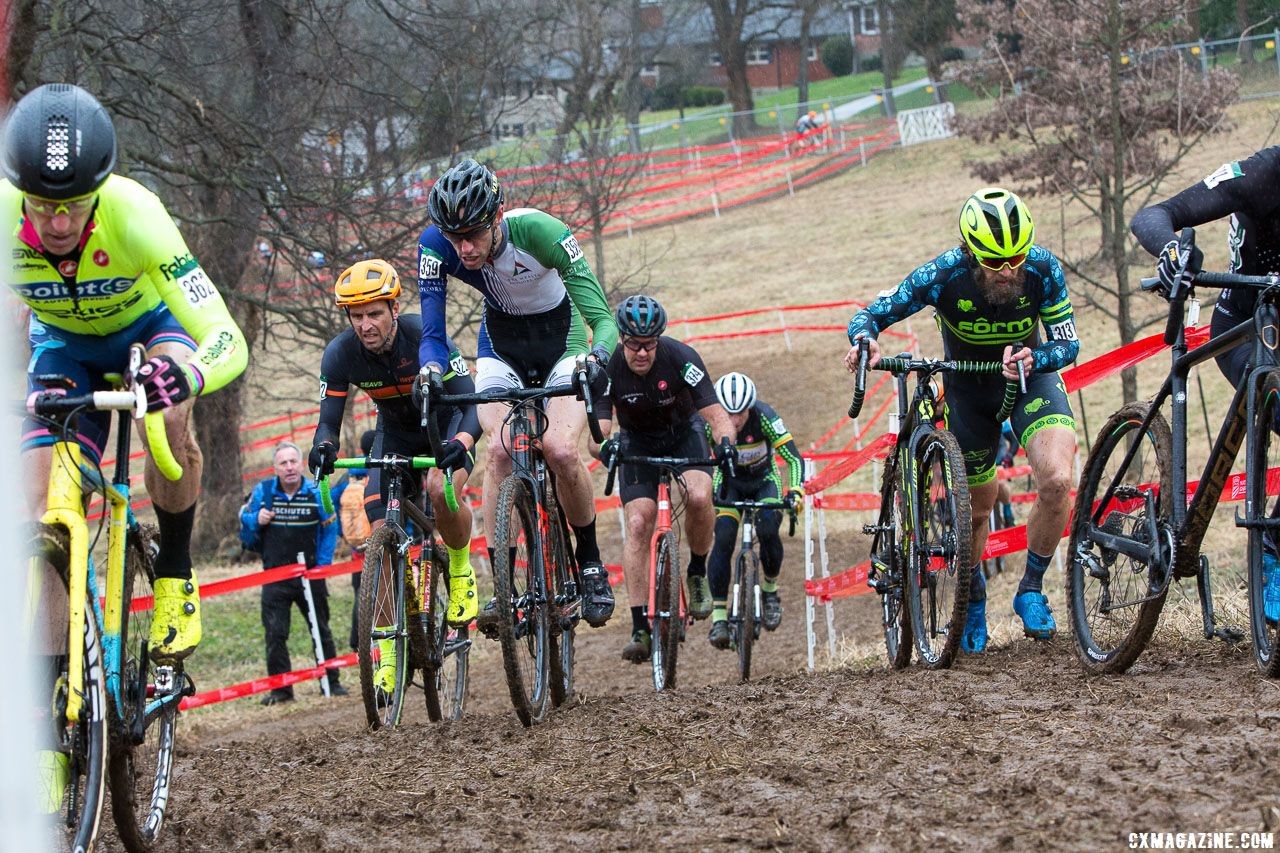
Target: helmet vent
57, 151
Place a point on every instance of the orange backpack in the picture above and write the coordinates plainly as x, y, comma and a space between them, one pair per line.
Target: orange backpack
355, 522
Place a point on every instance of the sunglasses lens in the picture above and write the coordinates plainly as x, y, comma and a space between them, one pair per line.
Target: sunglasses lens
997, 264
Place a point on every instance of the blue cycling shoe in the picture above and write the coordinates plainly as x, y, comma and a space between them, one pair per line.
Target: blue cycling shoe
1271, 588
1037, 618
974, 638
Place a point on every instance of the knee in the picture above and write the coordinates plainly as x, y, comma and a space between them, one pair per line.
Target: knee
639, 526
726, 533
560, 454
1054, 488
496, 457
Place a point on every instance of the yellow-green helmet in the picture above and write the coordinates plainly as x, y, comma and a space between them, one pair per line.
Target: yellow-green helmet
994, 223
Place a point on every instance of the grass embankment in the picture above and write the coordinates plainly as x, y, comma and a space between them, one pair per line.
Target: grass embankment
849, 237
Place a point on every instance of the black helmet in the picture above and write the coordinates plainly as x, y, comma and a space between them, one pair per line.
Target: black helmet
641, 317
464, 198
58, 143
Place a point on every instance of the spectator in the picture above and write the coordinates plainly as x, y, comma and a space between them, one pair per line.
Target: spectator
295, 524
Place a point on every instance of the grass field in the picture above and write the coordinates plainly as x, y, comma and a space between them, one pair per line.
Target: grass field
847, 238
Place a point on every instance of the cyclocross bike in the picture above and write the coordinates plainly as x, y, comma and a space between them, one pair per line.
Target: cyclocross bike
1134, 531
920, 543
112, 714
404, 599
746, 602
537, 583
668, 610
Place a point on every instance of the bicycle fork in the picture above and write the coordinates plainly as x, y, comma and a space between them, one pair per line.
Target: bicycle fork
748, 536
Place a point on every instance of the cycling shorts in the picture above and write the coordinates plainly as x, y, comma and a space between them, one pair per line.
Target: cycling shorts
85, 360
527, 351
641, 481
972, 406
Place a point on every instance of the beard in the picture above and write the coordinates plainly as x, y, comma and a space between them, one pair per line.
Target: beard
999, 292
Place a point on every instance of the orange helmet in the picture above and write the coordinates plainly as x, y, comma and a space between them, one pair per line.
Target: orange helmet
366, 281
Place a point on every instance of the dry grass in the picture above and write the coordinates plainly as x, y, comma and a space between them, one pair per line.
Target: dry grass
849, 238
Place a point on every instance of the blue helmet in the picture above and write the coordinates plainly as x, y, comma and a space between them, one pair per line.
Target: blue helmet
641, 317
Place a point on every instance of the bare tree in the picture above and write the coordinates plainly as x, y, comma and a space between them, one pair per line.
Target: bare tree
926, 26
737, 25
1097, 107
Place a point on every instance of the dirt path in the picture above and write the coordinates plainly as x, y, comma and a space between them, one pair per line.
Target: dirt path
1010, 750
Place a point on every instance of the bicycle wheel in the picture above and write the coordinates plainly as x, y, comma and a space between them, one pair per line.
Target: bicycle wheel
1114, 599
523, 632
565, 612
142, 743
938, 565
382, 618
890, 563
1263, 504
664, 639
78, 747
446, 658
746, 601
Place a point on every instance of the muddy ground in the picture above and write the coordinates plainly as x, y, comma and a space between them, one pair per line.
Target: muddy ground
1013, 749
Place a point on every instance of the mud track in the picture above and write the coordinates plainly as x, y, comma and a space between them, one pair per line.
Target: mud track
1014, 749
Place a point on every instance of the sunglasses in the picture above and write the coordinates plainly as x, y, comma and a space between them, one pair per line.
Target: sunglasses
456, 237
72, 206
997, 264
637, 345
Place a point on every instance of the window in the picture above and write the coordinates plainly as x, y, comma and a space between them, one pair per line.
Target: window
508, 131
813, 53
715, 59
649, 71
870, 24
542, 90
759, 56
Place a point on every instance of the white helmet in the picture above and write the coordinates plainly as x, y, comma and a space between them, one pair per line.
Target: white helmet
736, 392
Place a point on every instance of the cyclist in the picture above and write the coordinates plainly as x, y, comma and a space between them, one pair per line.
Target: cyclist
102, 266
379, 354
539, 297
1245, 190
758, 431
991, 293
664, 403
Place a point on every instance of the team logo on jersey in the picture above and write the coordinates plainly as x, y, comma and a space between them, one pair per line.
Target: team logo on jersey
692, 374
1035, 405
965, 305
662, 384
85, 289
520, 269
570, 245
27, 254
428, 266
101, 258
1023, 302
68, 268
180, 266
224, 344
1225, 172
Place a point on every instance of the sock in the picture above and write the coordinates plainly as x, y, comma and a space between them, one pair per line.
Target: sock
1033, 577
638, 622
1008, 515
459, 560
174, 559
719, 611
697, 565
768, 584
587, 551
977, 585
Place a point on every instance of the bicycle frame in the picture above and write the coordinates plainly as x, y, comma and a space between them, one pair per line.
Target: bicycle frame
661, 525
1190, 520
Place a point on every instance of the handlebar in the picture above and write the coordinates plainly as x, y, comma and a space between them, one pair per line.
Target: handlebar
772, 503
583, 386
899, 365
657, 462
860, 383
53, 405
388, 461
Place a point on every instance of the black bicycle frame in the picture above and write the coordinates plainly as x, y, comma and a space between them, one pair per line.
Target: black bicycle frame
1190, 521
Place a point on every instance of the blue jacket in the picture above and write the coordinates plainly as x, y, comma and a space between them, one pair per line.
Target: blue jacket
300, 524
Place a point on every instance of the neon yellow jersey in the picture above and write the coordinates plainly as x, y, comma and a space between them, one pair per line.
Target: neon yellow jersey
132, 258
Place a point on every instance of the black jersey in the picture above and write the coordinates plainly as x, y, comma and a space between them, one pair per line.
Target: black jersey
1248, 191
388, 380
665, 398
974, 328
761, 435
